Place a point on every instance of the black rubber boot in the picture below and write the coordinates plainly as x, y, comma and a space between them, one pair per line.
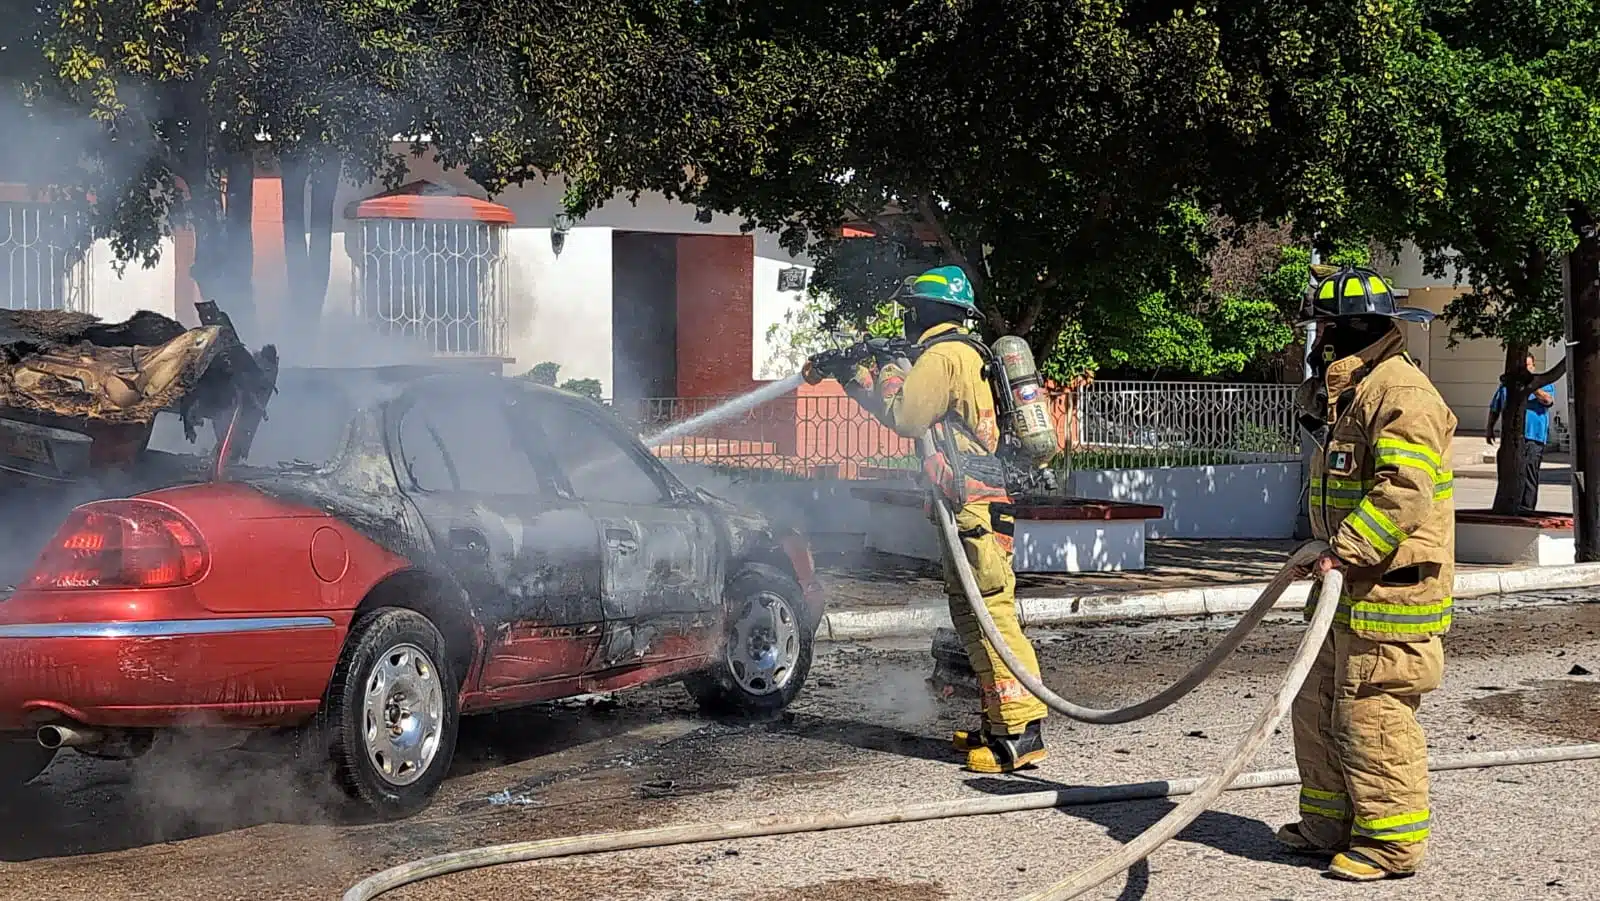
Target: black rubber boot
1007, 754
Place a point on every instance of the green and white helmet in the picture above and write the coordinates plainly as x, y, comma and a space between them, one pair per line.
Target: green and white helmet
946, 284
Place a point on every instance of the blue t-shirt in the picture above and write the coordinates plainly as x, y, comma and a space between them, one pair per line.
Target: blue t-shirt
1536, 425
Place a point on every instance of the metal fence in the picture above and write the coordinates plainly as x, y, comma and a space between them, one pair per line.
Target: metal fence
444, 282
42, 265
1107, 425
1132, 425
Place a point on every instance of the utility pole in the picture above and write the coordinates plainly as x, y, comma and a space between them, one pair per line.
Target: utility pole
1581, 285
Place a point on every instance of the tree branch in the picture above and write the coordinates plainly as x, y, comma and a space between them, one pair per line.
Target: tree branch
991, 311
930, 215
1521, 380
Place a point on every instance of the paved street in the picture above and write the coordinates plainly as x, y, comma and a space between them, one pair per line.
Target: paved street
866, 732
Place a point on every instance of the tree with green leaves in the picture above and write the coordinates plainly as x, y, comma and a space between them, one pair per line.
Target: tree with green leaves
1515, 91
1068, 157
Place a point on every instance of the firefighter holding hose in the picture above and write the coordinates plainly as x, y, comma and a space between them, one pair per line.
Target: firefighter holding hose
950, 390
1381, 496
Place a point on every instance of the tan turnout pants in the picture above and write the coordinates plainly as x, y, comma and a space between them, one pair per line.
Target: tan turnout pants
1362, 756
1008, 706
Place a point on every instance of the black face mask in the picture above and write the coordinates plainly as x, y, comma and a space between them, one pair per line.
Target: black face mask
921, 315
1346, 337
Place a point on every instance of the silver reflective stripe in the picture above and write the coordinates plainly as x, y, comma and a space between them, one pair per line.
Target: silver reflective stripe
1398, 617
1393, 832
164, 628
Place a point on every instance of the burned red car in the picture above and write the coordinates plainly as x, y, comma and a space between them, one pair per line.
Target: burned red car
197, 540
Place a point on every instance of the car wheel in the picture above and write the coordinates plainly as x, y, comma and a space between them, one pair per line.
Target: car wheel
22, 759
391, 717
768, 647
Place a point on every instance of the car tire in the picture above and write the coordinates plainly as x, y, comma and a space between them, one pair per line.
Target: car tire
767, 648
21, 761
390, 720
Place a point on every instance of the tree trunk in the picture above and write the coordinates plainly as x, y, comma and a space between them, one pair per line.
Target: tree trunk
1513, 417
1583, 356
324, 189
295, 174
235, 248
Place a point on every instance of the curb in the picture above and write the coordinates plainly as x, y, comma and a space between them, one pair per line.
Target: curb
924, 619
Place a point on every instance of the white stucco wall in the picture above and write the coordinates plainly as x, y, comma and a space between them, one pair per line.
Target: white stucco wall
1407, 270
561, 305
115, 297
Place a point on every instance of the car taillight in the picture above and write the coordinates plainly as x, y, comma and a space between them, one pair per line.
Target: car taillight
122, 544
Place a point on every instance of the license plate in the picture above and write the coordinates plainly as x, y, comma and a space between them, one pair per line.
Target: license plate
26, 447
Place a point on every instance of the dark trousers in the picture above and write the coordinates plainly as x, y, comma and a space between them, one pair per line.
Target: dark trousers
1532, 459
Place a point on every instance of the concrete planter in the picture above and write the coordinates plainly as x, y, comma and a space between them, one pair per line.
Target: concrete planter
1247, 500
1079, 547
1487, 539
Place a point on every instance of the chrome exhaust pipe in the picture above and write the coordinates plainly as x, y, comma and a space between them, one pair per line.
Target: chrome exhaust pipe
56, 737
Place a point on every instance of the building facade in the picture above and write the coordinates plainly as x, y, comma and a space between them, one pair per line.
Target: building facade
642, 297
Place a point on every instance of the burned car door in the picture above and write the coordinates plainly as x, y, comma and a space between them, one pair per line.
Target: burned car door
662, 551
528, 558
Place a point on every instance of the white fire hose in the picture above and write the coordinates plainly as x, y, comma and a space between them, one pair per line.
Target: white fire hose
1199, 794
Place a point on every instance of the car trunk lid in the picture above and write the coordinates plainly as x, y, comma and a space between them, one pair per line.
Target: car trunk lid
78, 402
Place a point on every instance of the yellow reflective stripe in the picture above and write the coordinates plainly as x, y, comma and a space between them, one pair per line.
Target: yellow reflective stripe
1383, 521
1394, 452
1405, 827
1329, 812
1398, 459
1361, 527
1362, 485
1442, 490
1420, 450
1338, 502
1375, 526
1396, 619
931, 277
1318, 794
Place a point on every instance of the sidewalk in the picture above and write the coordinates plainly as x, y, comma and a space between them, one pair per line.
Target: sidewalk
877, 596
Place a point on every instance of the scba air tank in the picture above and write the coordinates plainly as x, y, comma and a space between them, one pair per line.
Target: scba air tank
1035, 428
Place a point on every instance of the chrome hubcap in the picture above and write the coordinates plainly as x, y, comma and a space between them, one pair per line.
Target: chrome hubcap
765, 645
402, 714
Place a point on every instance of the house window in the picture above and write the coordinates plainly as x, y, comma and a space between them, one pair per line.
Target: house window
431, 266
40, 268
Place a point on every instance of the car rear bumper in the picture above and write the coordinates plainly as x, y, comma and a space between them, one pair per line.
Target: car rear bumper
255, 671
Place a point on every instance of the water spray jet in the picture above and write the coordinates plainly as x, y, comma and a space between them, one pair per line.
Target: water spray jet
725, 411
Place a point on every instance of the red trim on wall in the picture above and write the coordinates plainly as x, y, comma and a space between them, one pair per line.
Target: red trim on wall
716, 305
269, 269
426, 200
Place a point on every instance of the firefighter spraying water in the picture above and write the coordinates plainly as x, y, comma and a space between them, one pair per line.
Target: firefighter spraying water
1369, 651
992, 436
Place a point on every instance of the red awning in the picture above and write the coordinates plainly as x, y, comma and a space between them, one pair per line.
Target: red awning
426, 200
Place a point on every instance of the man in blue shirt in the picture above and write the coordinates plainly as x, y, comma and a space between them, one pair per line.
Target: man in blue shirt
1535, 434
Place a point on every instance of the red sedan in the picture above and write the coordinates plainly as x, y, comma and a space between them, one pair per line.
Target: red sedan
381, 553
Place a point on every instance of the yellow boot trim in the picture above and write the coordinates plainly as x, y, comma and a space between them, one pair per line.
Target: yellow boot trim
983, 760
965, 740
1354, 868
